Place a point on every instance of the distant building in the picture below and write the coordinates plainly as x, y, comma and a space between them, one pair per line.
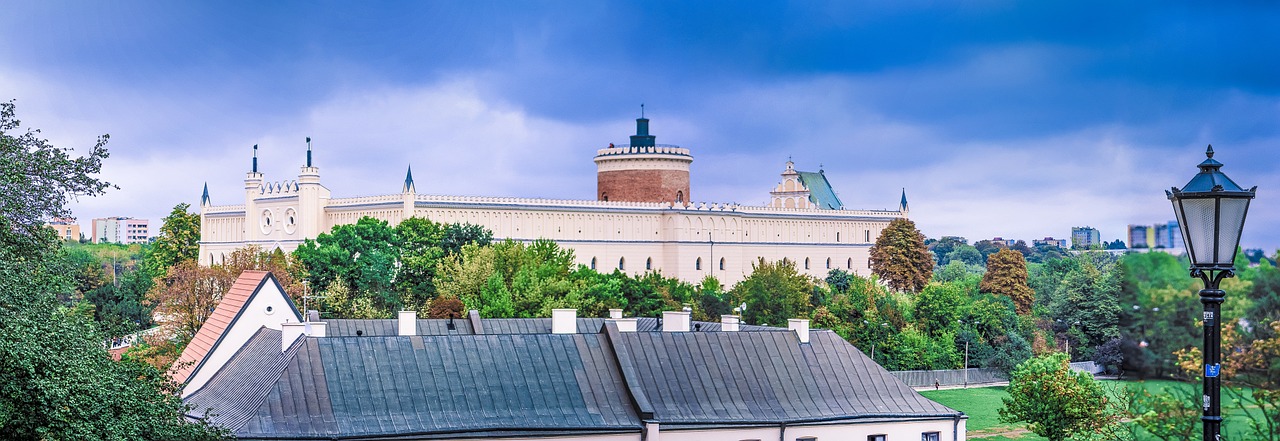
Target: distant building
1168, 235
124, 230
66, 227
1085, 237
1138, 236
1002, 241
1060, 243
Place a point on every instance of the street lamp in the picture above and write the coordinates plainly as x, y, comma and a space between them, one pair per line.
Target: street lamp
1210, 210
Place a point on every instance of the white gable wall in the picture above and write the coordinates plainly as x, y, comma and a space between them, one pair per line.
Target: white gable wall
253, 316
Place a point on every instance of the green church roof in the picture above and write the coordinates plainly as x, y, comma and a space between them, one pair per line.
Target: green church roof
820, 191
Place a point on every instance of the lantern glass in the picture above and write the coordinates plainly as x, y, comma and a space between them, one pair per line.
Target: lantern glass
1230, 223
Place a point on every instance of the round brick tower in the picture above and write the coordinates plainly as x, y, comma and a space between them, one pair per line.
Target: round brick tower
643, 171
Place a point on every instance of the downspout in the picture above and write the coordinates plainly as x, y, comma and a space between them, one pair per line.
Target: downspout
782, 432
955, 427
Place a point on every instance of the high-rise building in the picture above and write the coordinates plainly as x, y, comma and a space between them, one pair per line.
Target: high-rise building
1138, 236
66, 227
1168, 235
1085, 237
124, 230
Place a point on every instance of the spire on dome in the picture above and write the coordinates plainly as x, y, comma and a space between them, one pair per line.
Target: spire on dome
408, 181
204, 200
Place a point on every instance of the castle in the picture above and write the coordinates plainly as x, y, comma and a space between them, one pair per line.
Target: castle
642, 220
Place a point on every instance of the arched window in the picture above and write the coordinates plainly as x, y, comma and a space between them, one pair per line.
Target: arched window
868, 233
593, 263
697, 265
604, 196
680, 196
721, 264
806, 263
622, 263
837, 236
850, 264
648, 263
828, 263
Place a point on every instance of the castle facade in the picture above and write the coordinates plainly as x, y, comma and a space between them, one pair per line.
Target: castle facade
641, 221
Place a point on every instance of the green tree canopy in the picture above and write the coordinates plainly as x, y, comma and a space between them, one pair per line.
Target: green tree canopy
179, 240
1007, 275
1055, 401
900, 258
775, 292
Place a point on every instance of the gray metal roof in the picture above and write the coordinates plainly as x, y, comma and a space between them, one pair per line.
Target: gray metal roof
516, 384
764, 377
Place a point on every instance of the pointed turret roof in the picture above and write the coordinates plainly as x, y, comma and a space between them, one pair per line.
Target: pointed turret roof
902, 206
408, 181
204, 200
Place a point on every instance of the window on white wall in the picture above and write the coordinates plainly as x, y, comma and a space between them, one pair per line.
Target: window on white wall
697, 265
931, 436
648, 263
849, 264
828, 263
876, 437
721, 264
622, 263
806, 263
593, 263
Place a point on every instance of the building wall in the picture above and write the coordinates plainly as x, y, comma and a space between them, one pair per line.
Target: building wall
643, 186
66, 231
948, 430
684, 242
251, 318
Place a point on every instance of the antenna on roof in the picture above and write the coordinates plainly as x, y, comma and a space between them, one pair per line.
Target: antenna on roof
642, 110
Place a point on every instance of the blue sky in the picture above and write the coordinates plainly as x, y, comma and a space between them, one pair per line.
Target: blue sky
1013, 119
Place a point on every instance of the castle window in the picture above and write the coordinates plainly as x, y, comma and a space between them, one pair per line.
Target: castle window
680, 196
593, 263
697, 265
828, 263
806, 263
648, 263
604, 197
868, 232
721, 264
850, 264
837, 236
622, 263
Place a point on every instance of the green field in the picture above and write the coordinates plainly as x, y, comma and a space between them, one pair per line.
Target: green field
981, 405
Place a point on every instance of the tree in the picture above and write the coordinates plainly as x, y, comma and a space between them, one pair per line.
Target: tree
900, 258
364, 255
59, 382
939, 307
1007, 275
966, 254
1055, 401
179, 240
774, 292
942, 248
187, 295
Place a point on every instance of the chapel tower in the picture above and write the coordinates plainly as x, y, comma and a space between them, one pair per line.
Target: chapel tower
643, 171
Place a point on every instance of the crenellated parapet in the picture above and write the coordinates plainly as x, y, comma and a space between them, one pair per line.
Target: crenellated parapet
658, 149
279, 188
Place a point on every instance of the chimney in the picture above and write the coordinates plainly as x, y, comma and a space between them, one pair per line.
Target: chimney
316, 329
801, 326
564, 321
729, 323
408, 323
675, 321
289, 332
615, 313
626, 324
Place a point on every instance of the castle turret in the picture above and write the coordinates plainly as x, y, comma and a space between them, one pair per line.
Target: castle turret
409, 194
312, 198
252, 188
643, 171
902, 206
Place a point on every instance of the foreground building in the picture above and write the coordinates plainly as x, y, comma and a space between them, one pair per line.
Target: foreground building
260, 370
642, 220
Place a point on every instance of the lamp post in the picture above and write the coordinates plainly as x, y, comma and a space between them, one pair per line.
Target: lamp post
1210, 210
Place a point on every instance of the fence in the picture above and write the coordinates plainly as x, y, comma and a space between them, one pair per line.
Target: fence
975, 376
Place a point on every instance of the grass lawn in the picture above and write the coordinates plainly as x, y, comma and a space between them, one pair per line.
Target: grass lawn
981, 404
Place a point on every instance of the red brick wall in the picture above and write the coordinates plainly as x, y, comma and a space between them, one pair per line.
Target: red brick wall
642, 185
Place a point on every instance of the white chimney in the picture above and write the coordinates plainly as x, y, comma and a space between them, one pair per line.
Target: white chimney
730, 323
801, 326
626, 324
289, 332
615, 313
408, 323
675, 321
316, 329
564, 321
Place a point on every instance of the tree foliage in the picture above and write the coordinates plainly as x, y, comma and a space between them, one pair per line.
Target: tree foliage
900, 257
1055, 401
59, 382
774, 292
179, 240
1007, 275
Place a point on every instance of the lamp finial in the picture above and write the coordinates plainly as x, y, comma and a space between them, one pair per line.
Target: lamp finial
1209, 151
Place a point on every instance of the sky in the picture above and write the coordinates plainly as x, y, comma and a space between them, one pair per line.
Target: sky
998, 118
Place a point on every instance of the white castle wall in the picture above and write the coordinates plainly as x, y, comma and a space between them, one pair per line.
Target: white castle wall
684, 242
